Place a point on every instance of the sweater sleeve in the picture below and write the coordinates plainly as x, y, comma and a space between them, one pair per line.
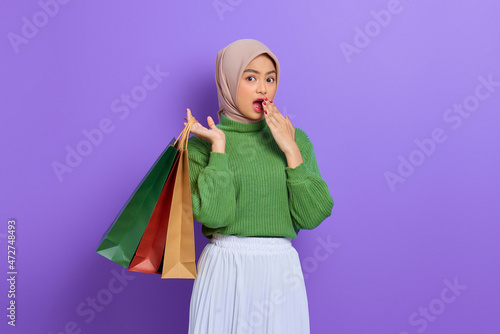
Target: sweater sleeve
309, 198
212, 185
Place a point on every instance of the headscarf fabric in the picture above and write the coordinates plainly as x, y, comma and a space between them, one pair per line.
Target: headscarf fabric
230, 63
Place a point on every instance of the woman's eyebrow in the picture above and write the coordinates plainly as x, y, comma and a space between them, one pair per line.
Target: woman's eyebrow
257, 72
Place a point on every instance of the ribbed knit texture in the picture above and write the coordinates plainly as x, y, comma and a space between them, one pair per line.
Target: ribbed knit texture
249, 190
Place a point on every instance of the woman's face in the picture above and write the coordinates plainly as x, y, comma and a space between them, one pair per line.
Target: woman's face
257, 82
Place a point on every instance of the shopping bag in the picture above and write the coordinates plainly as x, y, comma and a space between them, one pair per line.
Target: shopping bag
149, 254
179, 257
120, 241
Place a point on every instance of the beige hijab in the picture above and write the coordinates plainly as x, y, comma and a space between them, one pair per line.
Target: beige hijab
229, 66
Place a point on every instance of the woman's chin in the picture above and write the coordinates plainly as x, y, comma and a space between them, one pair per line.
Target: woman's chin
254, 115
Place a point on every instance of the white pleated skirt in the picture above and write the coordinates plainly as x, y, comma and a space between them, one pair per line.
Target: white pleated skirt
249, 285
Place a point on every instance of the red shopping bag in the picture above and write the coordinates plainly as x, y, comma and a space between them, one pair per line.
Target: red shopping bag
150, 251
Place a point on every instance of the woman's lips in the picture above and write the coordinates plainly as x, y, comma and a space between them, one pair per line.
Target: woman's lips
257, 106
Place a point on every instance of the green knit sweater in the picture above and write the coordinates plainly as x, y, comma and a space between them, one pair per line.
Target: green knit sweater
249, 190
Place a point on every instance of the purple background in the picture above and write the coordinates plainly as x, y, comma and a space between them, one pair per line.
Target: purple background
395, 248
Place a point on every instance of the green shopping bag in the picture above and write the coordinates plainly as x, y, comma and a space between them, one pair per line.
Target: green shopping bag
121, 239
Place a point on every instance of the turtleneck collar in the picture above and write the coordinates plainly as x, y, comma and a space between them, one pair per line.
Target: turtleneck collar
227, 124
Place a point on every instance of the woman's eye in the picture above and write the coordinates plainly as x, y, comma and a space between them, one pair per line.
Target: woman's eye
270, 80
249, 78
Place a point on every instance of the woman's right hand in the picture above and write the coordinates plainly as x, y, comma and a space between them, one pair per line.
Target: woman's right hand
214, 135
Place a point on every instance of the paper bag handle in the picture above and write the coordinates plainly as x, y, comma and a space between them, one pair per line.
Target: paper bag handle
185, 134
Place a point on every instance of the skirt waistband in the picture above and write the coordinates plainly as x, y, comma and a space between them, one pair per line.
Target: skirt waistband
258, 244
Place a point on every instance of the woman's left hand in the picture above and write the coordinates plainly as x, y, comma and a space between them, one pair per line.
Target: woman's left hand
281, 128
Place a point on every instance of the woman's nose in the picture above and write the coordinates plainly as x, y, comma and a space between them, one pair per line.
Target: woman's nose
261, 87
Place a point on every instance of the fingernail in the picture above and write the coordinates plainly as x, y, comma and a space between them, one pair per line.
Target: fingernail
265, 98
264, 103
265, 111
271, 101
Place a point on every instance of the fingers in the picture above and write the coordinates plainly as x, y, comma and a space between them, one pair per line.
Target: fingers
188, 117
210, 122
271, 109
268, 115
276, 120
273, 114
266, 106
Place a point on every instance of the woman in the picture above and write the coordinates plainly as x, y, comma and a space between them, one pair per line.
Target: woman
255, 183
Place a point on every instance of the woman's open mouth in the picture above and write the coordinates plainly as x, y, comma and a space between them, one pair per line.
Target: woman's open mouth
257, 105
